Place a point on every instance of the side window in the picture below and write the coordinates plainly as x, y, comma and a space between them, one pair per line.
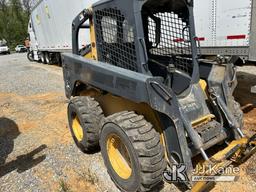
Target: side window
109, 29
128, 32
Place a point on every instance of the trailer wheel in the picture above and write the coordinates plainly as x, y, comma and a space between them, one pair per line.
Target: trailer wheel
84, 117
132, 152
42, 57
30, 56
47, 58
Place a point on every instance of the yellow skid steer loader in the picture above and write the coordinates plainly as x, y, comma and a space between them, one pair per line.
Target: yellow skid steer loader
140, 92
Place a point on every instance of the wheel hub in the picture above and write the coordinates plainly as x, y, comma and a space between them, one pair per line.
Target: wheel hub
119, 156
77, 129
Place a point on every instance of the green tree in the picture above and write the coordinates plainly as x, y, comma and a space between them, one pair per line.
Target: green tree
14, 18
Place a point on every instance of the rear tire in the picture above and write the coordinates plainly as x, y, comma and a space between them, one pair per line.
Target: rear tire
84, 117
132, 152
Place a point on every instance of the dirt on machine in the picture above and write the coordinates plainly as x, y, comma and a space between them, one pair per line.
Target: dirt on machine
141, 94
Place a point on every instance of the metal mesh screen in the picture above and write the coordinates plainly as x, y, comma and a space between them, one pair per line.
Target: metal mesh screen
115, 39
174, 40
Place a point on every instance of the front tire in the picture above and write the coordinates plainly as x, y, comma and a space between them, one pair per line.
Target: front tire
132, 152
84, 117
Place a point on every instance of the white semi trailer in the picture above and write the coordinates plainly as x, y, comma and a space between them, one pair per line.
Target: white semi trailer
227, 28
50, 29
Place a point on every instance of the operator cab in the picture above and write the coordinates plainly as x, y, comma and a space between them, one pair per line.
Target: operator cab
157, 40
168, 42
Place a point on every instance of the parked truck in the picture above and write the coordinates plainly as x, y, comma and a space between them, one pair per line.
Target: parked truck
227, 28
49, 29
222, 27
4, 49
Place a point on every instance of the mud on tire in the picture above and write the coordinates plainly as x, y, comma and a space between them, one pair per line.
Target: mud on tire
144, 152
87, 113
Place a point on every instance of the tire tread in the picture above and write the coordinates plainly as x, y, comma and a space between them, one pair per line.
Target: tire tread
146, 142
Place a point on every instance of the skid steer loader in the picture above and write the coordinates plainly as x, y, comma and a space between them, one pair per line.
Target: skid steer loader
141, 94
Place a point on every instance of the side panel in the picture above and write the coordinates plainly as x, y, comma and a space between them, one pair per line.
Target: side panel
52, 22
116, 80
226, 27
204, 22
233, 22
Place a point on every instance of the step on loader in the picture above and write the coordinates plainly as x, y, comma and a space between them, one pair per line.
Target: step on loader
141, 94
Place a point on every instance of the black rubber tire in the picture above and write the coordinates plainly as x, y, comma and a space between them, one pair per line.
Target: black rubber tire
30, 56
47, 58
42, 57
90, 115
144, 147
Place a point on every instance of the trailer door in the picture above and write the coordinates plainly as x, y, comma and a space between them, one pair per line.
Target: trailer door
204, 22
233, 23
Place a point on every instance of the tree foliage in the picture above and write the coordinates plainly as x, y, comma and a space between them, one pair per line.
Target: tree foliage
14, 17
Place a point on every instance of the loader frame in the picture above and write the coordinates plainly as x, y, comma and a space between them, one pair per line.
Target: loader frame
138, 85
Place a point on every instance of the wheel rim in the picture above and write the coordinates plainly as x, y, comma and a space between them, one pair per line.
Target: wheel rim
42, 58
77, 129
119, 156
47, 59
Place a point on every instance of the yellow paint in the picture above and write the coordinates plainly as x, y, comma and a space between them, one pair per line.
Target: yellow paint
221, 161
77, 129
198, 186
94, 55
209, 117
221, 155
203, 120
88, 55
203, 85
119, 156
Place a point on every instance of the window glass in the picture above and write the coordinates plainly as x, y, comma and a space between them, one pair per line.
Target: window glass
109, 29
128, 32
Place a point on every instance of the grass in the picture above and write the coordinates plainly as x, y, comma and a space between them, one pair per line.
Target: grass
87, 176
64, 186
90, 177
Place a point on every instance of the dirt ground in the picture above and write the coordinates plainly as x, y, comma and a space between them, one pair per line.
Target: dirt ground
37, 152
36, 149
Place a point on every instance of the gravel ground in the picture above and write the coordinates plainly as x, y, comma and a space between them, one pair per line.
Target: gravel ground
36, 149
